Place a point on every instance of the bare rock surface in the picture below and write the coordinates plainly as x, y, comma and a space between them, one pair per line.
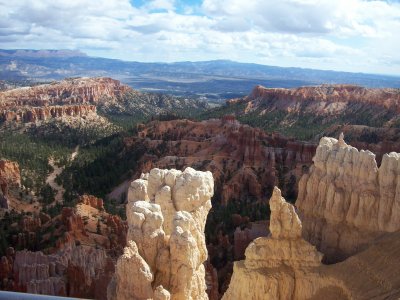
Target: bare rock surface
348, 207
272, 263
346, 201
10, 178
288, 267
38, 273
166, 211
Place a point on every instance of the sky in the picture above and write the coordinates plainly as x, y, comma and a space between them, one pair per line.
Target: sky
346, 35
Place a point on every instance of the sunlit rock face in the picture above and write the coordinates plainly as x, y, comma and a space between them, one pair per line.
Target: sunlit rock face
268, 272
10, 178
75, 97
346, 201
166, 211
285, 266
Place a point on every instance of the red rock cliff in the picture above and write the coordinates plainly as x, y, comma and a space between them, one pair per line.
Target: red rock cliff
33, 114
68, 91
70, 97
387, 98
9, 178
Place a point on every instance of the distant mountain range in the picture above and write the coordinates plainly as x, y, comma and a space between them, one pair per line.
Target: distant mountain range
220, 79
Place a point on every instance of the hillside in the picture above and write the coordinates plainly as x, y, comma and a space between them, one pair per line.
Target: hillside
308, 112
49, 120
80, 96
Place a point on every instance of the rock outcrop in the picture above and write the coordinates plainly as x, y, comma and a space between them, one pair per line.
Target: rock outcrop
369, 115
77, 97
378, 140
246, 162
79, 246
38, 273
325, 98
33, 114
166, 211
346, 201
275, 264
92, 201
285, 266
10, 178
65, 92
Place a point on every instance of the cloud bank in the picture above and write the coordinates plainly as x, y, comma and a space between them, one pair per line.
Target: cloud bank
350, 35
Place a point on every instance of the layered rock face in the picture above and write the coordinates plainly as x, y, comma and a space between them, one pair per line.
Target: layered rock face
346, 201
274, 265
315, 111
10, 177
76, 97
68, 91
285, 266
166, 211
326, 98
38, 273
33, 114
246, 162
79, 249
92, 201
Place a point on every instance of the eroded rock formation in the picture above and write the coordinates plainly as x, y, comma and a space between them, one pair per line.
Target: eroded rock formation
92, 201
166, 211
68, 91
10, 177
285, 266
346, 201
33, 114
274, 264
325, 98
80, 247
77, 97
38, 273
246, 162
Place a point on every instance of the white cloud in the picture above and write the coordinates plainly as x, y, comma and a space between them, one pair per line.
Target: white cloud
160, 5
344, 34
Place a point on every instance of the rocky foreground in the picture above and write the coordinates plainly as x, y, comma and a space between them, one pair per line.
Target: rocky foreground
347, 215
348, 210
79, 250
167, 212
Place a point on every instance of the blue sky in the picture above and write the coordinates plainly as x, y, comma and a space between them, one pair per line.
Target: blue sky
348, 35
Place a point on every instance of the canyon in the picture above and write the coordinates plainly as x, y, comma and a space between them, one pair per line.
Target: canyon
79, 247
310, 112
346, 216
246, 162
82, 96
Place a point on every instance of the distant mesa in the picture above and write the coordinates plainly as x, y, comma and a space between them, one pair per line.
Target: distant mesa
329, 95
75, 97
